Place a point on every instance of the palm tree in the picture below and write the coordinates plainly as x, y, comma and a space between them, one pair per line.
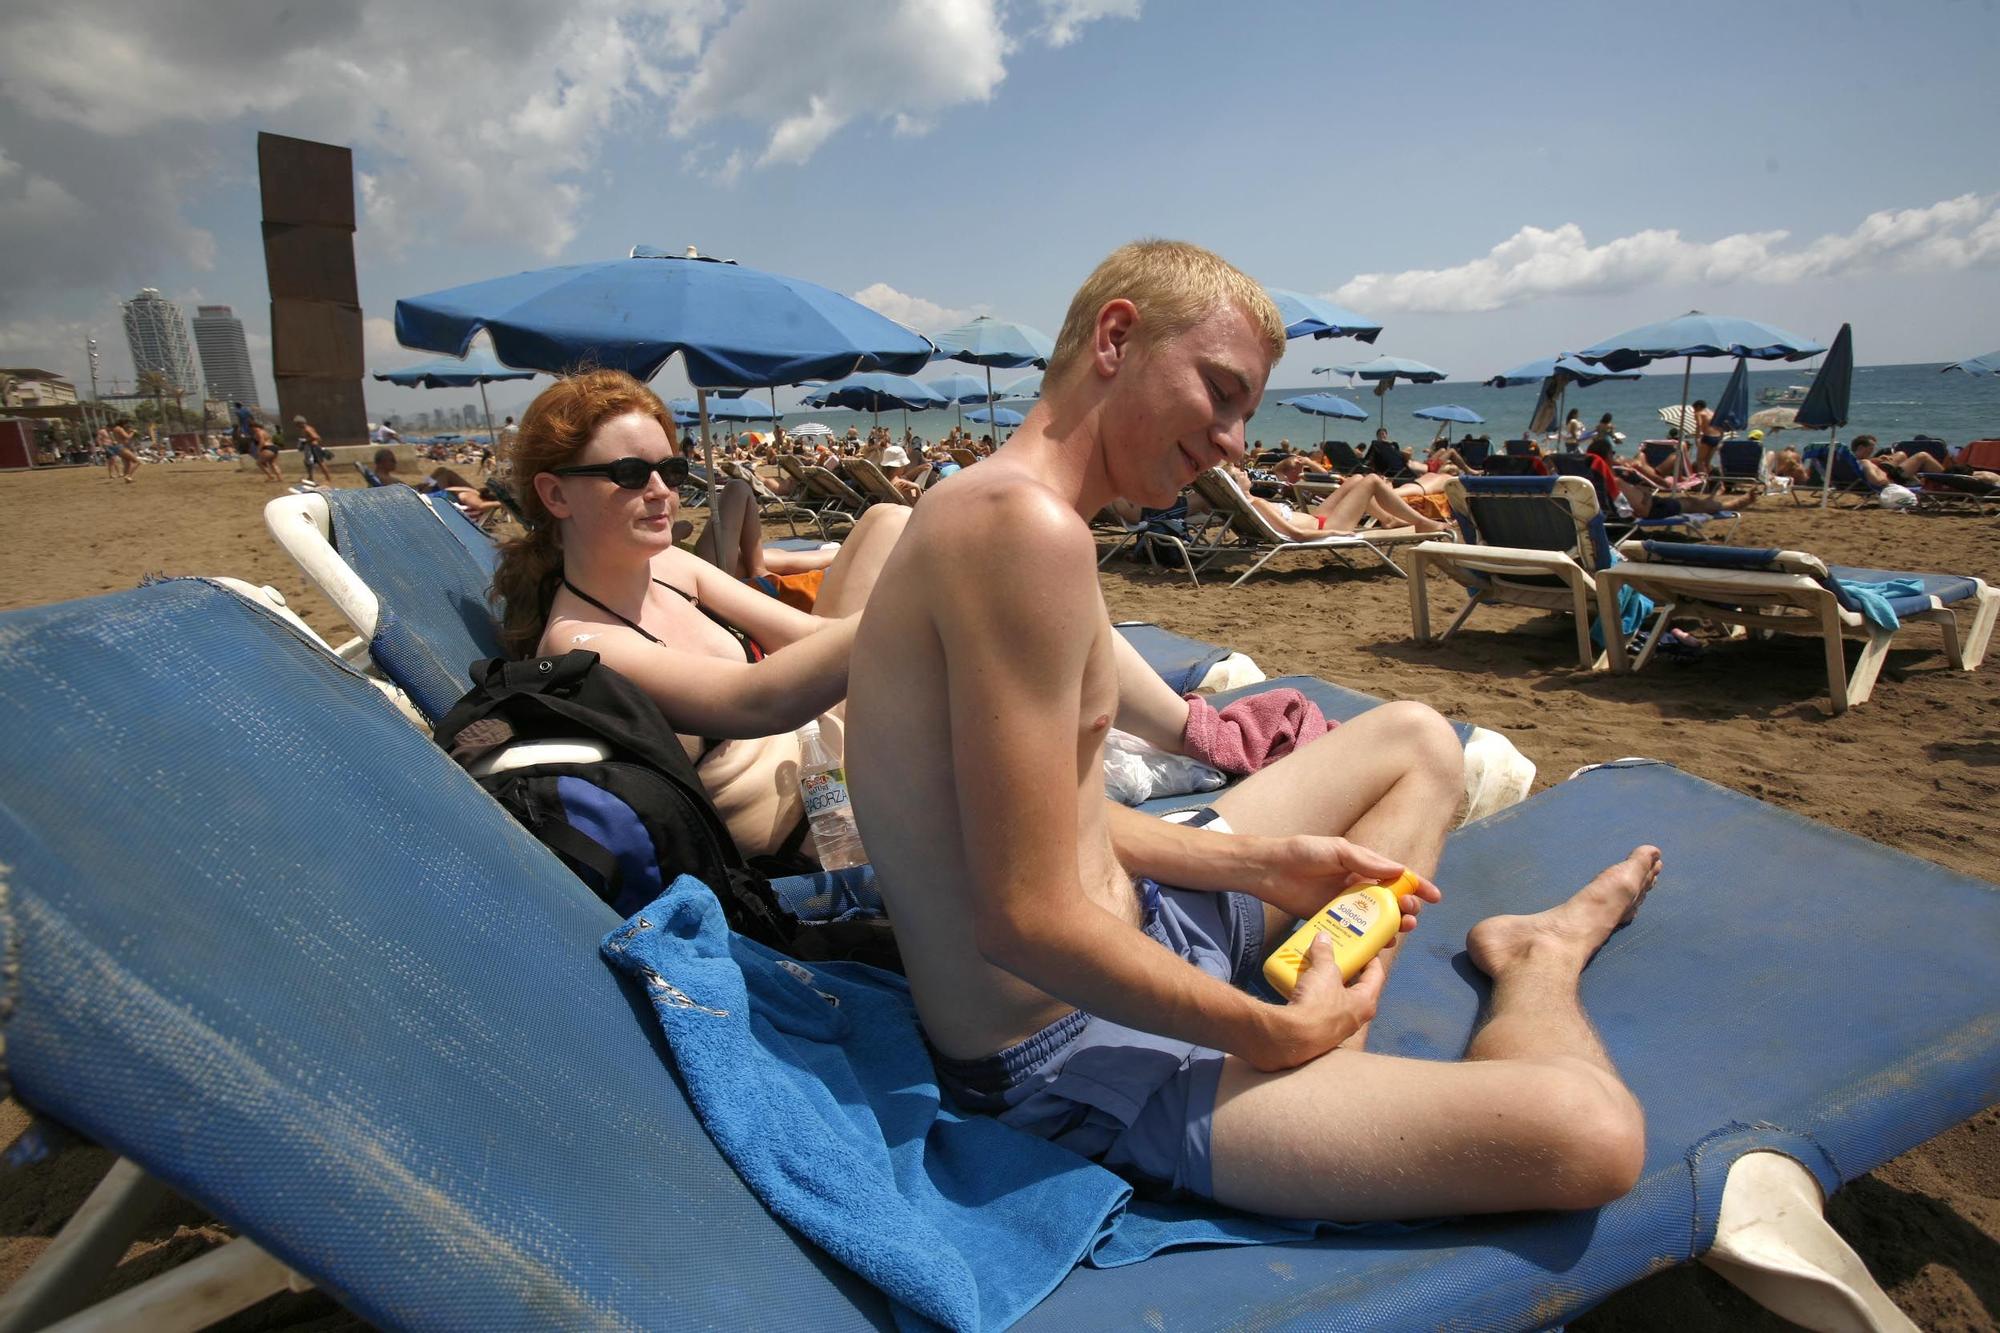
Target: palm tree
156, 384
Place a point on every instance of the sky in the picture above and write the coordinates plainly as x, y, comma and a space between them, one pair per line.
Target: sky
1492, 181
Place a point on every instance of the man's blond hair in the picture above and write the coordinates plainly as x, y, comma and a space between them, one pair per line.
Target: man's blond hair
1175, 286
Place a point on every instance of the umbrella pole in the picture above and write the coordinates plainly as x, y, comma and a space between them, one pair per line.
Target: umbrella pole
1826, 487
777, 422
992, 408
707, 454
1681, 454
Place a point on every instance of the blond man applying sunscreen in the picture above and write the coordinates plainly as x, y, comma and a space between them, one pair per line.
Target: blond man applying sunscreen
1062, 988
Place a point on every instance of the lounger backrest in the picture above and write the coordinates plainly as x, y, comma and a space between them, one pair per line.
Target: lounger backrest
1532, 513
1245, 520
873, 481
1578, 465
1658, 453
1741, 459
322, 985
436, 621
830, 487
1474, 452
1340, 456
1846, 467
795, 468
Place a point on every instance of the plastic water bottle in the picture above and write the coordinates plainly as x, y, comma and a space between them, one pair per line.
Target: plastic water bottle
823, 785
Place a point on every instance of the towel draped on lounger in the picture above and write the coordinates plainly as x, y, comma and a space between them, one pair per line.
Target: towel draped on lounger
817, 1086
1252, 732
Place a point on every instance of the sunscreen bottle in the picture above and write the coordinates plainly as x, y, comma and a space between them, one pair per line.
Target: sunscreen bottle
1356, 924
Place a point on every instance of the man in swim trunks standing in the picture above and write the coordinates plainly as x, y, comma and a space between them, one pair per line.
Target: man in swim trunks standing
1029, 909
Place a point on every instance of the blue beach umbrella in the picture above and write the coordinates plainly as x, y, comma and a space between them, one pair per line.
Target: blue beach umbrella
1573, 371
1555, 374
960, 390
1978, 365
991, 342
731, 409
1449, 412
477, 367
995, 416
1826, 401
1696, 334
1025, 389
1384, 371
733, 326
1324, 405
874, 393
1309, 316
1732, 409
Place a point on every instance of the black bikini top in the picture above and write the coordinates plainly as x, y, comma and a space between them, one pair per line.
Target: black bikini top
752, 650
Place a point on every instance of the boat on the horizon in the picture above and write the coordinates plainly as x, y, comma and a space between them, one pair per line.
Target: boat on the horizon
1790, 396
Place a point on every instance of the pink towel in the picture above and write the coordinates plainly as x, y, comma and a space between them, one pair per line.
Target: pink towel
1253, 731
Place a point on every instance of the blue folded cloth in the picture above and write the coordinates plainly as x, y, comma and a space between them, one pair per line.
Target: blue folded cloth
1634, 609
1871, 600
816, 1085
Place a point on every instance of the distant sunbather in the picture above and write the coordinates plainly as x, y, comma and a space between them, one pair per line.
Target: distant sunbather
1897, 465
734, 671
1363, 495
1643, 489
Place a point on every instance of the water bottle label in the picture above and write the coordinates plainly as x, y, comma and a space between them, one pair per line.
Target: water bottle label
824, 791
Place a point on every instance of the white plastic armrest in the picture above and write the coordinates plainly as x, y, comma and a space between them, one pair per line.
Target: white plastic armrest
1773, 1242
530, 753
303, 526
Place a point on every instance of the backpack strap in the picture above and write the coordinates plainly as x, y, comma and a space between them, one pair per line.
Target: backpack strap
572, 844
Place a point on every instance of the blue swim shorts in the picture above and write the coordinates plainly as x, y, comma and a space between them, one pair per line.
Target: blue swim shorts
1139, 1103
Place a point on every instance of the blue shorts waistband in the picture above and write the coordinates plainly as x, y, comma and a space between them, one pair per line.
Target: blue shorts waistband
994, 1074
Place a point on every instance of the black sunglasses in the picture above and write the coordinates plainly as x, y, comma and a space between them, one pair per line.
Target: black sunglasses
631, 473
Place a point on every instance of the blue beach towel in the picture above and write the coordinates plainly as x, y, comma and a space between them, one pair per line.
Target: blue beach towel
817, 1087
1871, 600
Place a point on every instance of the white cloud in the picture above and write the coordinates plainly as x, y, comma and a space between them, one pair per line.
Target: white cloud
489, 128
1064, 20
1533, 262
896, 61
914, 311
114, 114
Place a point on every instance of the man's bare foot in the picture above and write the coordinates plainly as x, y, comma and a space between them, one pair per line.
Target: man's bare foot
1577, 927
1744, 501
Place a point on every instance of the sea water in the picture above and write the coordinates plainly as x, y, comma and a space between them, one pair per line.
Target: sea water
1889, 402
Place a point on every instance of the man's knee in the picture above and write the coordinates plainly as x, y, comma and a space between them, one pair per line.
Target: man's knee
1424, 738
888, 520
1591, 1131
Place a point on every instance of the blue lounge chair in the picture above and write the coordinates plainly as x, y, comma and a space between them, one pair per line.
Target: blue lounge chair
1739, 465
373, 1033
1848, 478
1340, 456
1781, 592
1524, 541
411, 577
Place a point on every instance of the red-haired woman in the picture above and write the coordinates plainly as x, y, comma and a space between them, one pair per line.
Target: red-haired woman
735, 672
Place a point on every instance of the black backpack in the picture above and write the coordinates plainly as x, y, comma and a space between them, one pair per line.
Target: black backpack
632, 823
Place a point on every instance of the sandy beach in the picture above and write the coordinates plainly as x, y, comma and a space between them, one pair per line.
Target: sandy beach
1914, 769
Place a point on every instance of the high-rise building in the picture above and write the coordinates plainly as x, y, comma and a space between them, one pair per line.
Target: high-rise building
157, 333
225, 356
